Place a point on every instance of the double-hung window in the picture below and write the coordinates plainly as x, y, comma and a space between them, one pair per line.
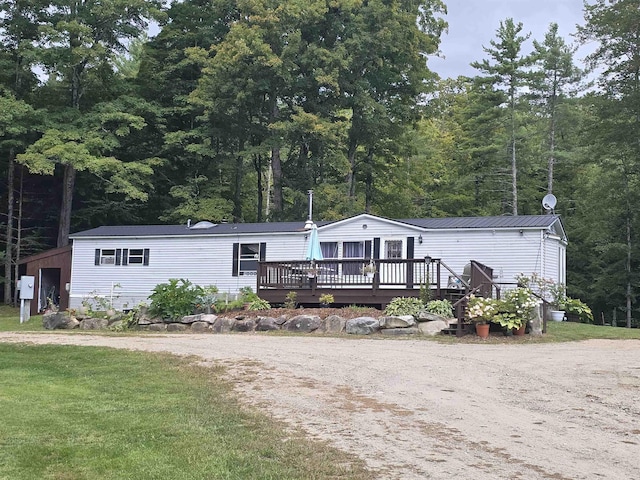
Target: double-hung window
122, 256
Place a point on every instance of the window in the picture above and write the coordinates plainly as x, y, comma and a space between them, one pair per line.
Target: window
136, 256
352, 250
393, 249
329, 251
249, 256
122, 256
107, 256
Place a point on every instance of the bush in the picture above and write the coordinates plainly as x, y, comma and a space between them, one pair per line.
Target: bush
574, 306
326, 299
404, 306
291, 300
440, 307
174, 300
259, 304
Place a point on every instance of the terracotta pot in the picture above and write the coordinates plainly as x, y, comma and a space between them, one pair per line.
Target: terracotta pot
482, 330
520, 331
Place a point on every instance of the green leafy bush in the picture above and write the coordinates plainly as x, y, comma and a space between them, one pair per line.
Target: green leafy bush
174, 300
291, 300
404, 306
574, 306
326, 299
259, 304
440, 307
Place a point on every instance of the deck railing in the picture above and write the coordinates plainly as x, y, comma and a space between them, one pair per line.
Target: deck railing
350, 273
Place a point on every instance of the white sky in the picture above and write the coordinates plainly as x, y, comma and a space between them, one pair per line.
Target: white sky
473, 24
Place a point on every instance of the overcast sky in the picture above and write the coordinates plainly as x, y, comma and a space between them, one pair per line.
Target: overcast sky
473, 24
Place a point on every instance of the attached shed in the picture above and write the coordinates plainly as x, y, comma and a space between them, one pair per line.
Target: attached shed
125, 263
52, 274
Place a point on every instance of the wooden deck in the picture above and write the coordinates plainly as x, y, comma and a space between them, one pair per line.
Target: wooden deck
347, 281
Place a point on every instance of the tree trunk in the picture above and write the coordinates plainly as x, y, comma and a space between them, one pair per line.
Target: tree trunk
351, 174
18, 236
257, 164
369, 182
237, 194
276, 170
628, 268
9, 246
64, 225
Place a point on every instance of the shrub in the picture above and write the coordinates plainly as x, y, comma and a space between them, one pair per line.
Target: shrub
259, 304
440, 307
574, 306
404, 306
291, 300
175, 299
326, 299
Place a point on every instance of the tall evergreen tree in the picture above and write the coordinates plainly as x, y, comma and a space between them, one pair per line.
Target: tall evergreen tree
506, 71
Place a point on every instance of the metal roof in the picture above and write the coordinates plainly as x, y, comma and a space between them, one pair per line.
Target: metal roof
520, 221
517, 221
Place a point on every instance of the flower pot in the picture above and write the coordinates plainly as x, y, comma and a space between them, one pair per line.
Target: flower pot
557, 315
369, 274
482, 330
521, 330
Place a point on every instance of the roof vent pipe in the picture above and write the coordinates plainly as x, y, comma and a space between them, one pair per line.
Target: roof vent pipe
309, 223
189, 223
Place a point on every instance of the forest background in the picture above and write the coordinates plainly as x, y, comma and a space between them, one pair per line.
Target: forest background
237, 108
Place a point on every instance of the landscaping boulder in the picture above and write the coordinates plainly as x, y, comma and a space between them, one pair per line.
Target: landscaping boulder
176, 327
94, 324
395, 332
158, 327
200, 327
402, 321
223, 324
332, 324
266, 324
302, 323
432, 328
362, 326
58, 320
244, 325
210, 318
191, 318
425, 316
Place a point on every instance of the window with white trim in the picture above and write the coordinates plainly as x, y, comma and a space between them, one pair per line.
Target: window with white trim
122, 256
393, 249
108, 256
352, 250
248, 259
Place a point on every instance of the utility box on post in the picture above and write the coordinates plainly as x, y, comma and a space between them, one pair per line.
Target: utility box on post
26, 285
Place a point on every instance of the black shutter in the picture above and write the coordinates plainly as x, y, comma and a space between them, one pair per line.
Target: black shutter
97, 261
118, 256
376, 248
410, 250
263, 251
236, 255
367, 249
125, 256
145, 256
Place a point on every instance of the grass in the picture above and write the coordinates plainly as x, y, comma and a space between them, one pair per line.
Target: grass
96, 413
572, 332
10, 321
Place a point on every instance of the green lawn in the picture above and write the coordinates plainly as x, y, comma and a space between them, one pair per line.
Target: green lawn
10, 321
570, 332
96, 413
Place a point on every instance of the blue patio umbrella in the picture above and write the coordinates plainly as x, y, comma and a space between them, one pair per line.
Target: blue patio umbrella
314, 252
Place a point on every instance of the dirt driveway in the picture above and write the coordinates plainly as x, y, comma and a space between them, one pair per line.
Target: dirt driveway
417, 409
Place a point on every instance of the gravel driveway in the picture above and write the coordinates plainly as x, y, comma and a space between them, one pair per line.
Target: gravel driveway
416, 409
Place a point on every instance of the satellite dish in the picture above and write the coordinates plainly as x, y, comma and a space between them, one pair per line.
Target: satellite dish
549, 201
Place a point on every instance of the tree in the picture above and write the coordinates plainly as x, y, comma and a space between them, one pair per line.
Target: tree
508, 74
550, 85
78, 36
615, 26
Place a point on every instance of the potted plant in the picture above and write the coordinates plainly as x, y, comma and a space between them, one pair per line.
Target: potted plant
558, 300
326, 299
577, 310
515, 310
369, 270
481, 311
